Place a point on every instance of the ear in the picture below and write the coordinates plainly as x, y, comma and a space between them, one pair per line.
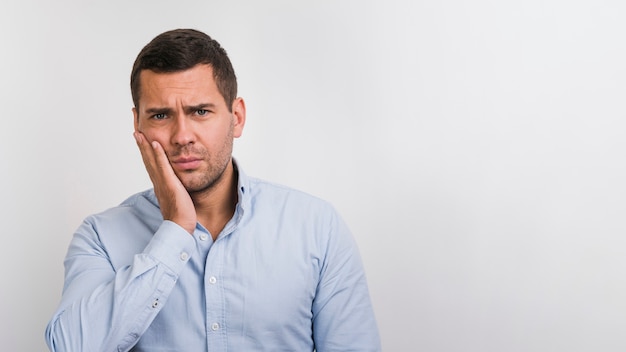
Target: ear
136, 118
239, 115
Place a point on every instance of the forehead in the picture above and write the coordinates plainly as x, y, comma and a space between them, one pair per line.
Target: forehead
195, 85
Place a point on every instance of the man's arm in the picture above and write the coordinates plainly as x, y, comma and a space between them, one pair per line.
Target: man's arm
343, 318
102, 309
107, 310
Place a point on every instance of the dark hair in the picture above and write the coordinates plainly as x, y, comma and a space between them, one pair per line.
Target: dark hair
179, 50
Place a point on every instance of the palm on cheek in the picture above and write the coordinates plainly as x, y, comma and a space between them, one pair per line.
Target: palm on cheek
174, 200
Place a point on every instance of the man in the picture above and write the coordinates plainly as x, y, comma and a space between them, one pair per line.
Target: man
209, 259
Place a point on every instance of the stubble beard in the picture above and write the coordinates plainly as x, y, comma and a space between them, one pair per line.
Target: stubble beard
210, 177
213, 173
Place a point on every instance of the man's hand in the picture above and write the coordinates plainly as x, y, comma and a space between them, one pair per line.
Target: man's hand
174, 200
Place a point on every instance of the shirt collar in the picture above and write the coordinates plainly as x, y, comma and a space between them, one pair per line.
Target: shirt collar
243, 188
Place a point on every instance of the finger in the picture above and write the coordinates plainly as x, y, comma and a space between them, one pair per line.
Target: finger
161, 160
143, 147
147, 155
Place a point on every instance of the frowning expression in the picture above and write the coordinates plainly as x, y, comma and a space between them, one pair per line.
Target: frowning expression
185, 112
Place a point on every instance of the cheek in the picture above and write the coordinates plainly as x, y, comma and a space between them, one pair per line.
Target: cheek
153, 134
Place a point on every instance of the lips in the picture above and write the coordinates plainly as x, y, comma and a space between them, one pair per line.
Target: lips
186, 163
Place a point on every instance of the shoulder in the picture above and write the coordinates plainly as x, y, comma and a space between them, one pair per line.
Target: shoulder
290, 209
121, 231
139, 207
265, 191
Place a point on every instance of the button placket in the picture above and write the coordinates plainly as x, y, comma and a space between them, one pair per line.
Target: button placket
214, 294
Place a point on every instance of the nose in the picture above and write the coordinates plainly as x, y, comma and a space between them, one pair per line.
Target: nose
182, 132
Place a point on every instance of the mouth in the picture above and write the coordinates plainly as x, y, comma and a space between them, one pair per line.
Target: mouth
186, 163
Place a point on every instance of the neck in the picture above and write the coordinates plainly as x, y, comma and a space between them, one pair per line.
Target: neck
215, 206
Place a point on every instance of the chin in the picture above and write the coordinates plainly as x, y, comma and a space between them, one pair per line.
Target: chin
198, 187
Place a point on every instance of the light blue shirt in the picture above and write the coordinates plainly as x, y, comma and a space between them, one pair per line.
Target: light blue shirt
283, 275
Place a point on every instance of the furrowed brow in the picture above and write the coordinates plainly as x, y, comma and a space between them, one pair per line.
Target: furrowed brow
153, 111
193, 108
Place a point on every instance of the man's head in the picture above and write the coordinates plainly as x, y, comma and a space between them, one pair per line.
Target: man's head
184, 89
179, 50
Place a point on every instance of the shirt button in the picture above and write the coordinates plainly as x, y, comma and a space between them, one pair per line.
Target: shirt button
212, 280
215, 326
203, 237
184, 256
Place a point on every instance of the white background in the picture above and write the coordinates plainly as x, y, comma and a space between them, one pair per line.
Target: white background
476, 148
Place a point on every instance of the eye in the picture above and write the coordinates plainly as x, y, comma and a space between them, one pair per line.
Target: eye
202, 112
160, 116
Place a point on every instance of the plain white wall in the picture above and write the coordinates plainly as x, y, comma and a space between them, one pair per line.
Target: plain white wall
476, 148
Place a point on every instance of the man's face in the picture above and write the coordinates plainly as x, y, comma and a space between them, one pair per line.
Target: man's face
185, 112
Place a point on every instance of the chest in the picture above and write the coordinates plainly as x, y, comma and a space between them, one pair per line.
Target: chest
245, 288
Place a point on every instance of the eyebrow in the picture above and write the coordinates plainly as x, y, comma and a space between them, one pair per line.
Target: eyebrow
188, 109
151, 111
193, 108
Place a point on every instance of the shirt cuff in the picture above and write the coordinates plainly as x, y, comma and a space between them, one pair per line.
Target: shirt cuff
172, 245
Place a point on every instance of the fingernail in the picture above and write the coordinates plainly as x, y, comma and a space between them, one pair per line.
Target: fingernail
136, 136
